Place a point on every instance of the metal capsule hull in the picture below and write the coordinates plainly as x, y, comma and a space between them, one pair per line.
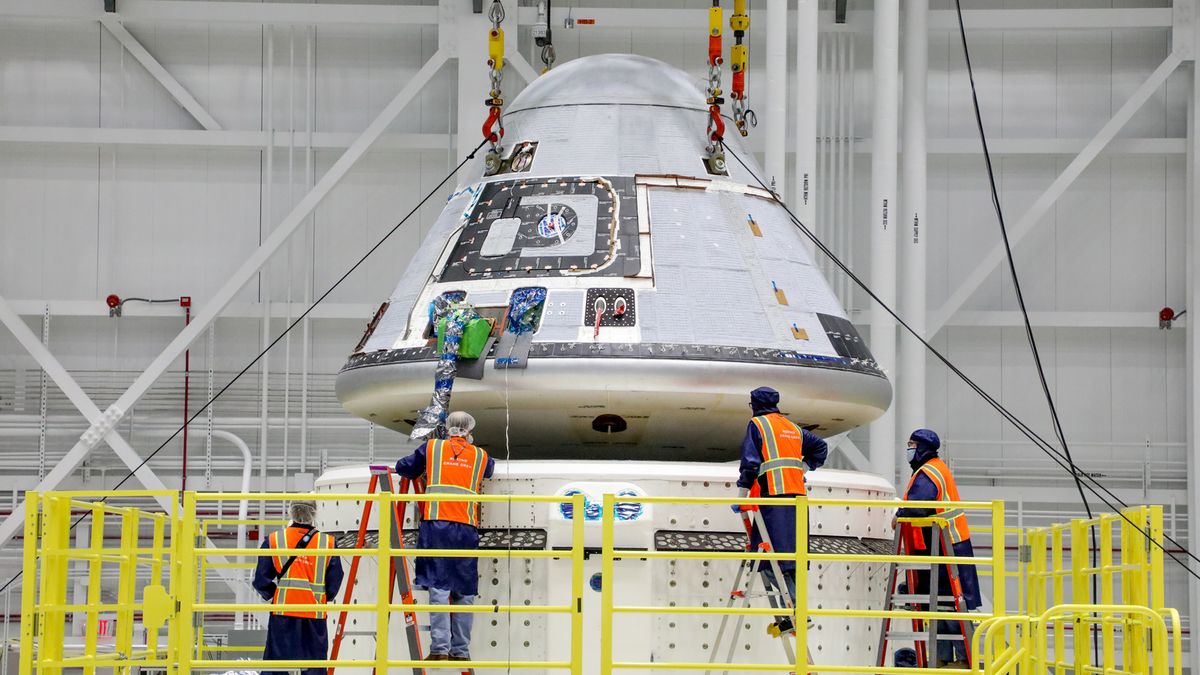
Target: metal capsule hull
605, 197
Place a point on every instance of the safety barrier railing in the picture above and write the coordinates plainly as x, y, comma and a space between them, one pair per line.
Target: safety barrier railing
1005, 639
1121, 555
801, 610
173, 615
1148, 653
46, 564
164, 560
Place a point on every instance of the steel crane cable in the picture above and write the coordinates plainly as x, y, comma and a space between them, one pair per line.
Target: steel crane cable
1095, 487
1016, 283
274, 342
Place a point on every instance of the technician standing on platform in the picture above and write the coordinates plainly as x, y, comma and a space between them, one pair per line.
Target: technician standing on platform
307, 579
775, 455
932, 482
452, 466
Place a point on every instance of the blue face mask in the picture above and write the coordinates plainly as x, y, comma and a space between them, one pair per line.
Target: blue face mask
910, 454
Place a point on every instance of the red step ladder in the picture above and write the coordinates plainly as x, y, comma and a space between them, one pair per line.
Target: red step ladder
924, 634
383, 478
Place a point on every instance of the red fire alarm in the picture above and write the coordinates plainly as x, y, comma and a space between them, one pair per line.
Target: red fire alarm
114, 304
1166, 317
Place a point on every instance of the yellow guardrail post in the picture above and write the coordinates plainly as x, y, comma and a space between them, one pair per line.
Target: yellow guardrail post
578, 506
156, 565
1152, 589
93, 595
185, 547
56, 528
1079, 594
800, 602
201, 587
606, 585
1057, 594
383, 581
1158, 598
127, 581
173, 573
1106, 589
999, 592
29, 584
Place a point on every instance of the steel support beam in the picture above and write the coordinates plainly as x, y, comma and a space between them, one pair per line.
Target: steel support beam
911, 222
66, 467
208, 12
979, 273
333, 140
199, 138
307, 14
802, 199
849, 449
75, 394
1192, 346
279, 235
775, 117
1061, 319
113, 23
882, 218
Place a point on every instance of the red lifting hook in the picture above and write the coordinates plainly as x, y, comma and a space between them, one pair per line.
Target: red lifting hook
492, 118
718, 125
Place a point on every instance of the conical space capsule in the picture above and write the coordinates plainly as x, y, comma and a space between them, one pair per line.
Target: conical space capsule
634, 293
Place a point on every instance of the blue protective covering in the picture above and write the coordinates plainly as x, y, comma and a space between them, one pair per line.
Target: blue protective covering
524, 308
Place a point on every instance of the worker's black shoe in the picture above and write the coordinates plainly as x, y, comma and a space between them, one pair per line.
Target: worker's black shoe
437, 657
459, 658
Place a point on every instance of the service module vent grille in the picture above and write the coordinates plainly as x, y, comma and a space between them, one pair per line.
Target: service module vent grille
490, 539
684, 540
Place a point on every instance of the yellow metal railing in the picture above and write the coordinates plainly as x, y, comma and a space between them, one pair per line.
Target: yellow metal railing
1128, 572
164, 560
801, 557
173, 616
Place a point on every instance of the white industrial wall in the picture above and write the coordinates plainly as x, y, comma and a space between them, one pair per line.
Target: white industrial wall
79, 220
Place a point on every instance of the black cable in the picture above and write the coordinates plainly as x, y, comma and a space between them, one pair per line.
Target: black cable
1025, 430
1016, 282
274, 342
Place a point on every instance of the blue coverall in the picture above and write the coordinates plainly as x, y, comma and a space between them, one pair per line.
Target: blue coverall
924, 489
780, 520
295, 637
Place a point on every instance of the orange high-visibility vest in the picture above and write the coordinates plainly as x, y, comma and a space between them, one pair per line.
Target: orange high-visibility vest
454, 467
782, 454
947, 491
305, 580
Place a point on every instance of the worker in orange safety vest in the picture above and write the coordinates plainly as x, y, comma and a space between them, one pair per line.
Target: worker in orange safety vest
299, 634
450, 466
932, 481
775, 455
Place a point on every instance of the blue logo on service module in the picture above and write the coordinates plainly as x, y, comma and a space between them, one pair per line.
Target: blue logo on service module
593, 506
